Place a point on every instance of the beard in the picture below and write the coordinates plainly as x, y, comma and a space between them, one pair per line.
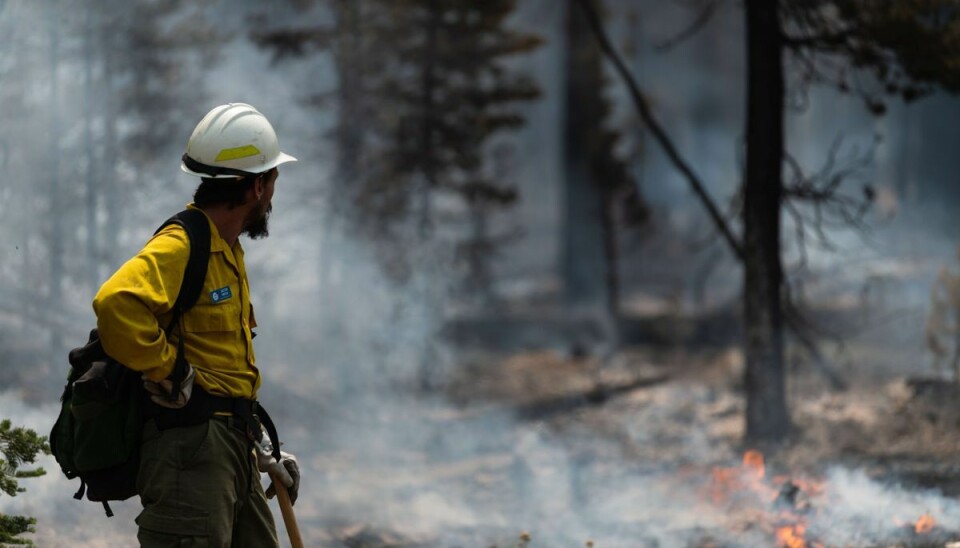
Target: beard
256, 224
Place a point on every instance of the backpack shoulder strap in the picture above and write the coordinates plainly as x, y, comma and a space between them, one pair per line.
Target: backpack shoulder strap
194, 222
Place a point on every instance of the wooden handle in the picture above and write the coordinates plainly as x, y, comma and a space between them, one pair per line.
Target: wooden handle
286, 510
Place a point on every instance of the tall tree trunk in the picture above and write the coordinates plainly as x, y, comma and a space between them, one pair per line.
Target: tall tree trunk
351, 75
348, 135
113, 200
583, 246
479, 278
905, 169
767, 418
428, 165
92, 259
56, 199
427, 99
611, 255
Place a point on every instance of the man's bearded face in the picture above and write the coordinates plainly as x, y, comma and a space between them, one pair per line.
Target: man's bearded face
256, 223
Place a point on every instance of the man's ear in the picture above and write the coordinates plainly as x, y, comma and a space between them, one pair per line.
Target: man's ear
259, 186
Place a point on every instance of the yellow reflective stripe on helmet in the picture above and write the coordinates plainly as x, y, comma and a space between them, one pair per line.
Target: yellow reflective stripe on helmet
236, 153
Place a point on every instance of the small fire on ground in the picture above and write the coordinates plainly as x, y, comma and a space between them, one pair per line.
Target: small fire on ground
779, 506
924, 524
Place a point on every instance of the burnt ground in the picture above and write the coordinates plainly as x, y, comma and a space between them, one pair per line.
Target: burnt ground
895, 413
674, 413
549, 448
678, 409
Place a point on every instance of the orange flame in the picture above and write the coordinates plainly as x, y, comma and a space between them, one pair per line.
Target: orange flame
792, 536
753, 462
924, 524
748, 487
745, 479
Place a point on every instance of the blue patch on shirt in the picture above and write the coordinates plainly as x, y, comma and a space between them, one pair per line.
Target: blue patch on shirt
220, 295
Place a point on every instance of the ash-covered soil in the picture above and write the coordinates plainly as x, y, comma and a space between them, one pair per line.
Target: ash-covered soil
654, 404
542, 449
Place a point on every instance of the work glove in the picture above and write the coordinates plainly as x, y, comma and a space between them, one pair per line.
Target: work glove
160, 391
287, 471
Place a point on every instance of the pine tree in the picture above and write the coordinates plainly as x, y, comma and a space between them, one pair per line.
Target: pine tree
422, 92
910, 48
103, 99
458, 99
150, 83
18, 446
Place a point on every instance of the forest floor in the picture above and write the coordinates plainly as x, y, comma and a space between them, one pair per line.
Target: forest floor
541, 449
651, 440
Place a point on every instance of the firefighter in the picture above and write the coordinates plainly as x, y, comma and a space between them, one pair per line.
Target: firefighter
201, 455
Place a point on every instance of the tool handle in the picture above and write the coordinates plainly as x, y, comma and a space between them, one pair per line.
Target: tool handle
286, 510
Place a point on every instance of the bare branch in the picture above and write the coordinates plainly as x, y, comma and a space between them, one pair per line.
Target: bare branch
821, 193
702, 18
807, 334
656, 129
800, 231
827, 41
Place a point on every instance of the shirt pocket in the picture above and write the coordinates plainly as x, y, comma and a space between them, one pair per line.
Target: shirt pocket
211, 318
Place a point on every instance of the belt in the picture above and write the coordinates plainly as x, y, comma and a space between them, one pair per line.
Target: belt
245, 415
234, 422
202, 406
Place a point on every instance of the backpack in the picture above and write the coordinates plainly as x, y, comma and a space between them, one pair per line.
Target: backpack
97, 435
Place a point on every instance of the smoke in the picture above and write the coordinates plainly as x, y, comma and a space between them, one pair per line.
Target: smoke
355, 368
857, 510
61, 520
410, 467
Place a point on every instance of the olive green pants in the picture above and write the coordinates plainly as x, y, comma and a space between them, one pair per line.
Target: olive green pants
199, 486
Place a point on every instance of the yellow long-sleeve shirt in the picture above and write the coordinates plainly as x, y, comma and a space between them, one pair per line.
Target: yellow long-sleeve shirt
135, 305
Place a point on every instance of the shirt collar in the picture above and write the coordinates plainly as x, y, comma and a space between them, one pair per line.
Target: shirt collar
216, 242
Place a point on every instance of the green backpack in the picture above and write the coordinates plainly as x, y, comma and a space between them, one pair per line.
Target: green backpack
97, 434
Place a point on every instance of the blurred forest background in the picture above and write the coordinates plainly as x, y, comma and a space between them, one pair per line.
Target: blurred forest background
538, 259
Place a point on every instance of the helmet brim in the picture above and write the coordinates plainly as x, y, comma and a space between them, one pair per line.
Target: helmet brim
282, 158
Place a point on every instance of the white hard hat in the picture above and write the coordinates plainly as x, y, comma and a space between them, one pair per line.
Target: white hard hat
233, 140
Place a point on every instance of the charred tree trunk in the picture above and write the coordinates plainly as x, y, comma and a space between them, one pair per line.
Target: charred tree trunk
611, 252
348, 134
57, 235
351, 71
113, 201
93, 258
766, 417
584, 245
428, 161
427, 130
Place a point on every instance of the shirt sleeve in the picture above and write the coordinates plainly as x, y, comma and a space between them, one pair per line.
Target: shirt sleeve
130, 303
